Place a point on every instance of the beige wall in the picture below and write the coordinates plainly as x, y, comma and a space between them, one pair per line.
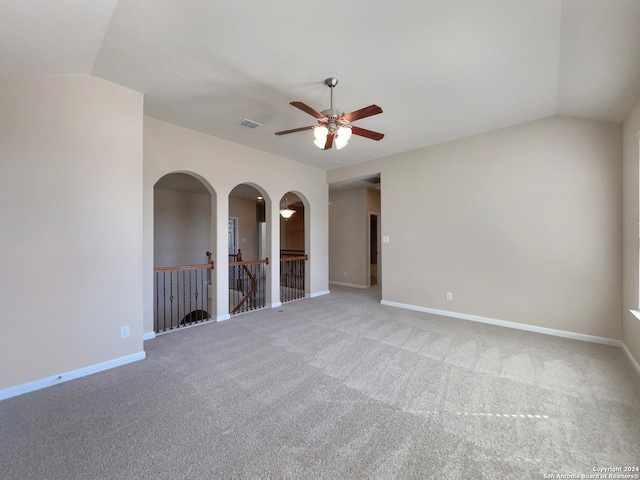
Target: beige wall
631, 209
373, 200
70, 225
348, 237
521, 224
221, 165
292, 230
245, 211
182, 228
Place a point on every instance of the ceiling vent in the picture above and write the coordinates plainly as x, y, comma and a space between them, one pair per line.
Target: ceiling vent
374, 180
249, 124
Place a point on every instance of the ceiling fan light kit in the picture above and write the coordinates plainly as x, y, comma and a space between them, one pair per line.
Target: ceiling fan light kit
334, 125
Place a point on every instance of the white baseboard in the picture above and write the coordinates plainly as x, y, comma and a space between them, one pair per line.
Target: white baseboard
504, 323
633, 361
318, 294
343, 284
71, 375
222, 318
276, 304
148, 336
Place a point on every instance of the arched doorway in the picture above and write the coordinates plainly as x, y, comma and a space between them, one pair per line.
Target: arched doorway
182, 238
293, 247
248, 246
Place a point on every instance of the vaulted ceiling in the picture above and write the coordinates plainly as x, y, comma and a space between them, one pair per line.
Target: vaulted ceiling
440, 69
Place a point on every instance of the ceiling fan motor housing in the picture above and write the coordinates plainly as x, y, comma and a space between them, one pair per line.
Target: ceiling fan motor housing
331, 82
334, 119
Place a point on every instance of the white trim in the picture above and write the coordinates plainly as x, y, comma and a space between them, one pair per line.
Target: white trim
635, 313
148, 336
276, 304
222, 318
504, 323
633, 361
318, 294
288, 302
71, 375
343, 284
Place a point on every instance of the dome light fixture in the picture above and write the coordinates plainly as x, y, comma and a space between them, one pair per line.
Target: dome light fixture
286, 212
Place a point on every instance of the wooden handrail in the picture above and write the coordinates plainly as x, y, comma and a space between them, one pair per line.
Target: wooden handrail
184, 267
249, 262
289, 259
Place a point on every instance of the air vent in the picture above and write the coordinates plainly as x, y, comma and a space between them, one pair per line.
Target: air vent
249, 124
374, 180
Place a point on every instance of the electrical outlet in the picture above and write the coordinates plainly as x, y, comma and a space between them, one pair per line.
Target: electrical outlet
449, 296
124, 332
345, 274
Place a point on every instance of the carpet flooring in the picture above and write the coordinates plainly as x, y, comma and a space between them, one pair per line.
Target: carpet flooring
336, 386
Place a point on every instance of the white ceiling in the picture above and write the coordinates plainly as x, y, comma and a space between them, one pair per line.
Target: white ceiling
440, 69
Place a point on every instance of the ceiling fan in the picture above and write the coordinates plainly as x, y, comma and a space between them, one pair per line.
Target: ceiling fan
334, 124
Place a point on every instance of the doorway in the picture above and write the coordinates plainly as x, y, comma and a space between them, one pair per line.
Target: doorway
233, 235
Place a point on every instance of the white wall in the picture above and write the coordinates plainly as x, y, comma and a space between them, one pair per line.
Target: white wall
70, 225
521, 224
221, 165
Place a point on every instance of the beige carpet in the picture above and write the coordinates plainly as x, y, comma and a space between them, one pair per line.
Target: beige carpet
336, 387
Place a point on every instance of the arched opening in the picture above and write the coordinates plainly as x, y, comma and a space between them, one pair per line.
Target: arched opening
182, 238
248, 249
293, 247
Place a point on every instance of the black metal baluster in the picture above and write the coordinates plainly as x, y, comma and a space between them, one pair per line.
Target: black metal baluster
184, 294
246, 287
155, 320
170, 304
164, 302
178, 298
196, 301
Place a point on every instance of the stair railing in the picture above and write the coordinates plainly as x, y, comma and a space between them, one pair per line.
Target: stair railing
246, 283
182, 296
292, 273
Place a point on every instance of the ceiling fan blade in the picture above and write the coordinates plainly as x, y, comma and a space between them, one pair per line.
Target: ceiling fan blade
329, 143
306, 108
363, 132
362, 113
294, 130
